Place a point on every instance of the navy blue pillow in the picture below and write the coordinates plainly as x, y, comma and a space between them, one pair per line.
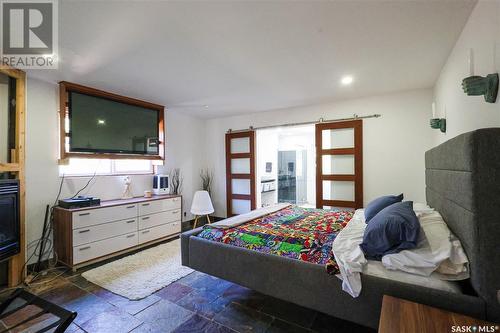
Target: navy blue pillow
393, 229
380, 203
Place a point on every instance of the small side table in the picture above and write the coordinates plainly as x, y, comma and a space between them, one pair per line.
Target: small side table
399, 315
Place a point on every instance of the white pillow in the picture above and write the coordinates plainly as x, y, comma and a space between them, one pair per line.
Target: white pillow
438, 250
421, 209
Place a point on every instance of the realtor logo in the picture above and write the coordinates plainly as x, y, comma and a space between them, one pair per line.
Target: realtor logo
29, 33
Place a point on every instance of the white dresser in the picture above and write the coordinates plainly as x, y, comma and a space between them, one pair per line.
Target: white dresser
86, 235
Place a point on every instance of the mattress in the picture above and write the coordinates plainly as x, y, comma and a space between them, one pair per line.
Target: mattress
377, 269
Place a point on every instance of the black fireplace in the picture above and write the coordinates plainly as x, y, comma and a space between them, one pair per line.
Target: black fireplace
9, 218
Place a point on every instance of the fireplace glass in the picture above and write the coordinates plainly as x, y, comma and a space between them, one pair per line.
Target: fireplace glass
9, 218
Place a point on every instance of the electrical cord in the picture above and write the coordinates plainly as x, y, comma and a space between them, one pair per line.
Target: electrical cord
45, 239
86, 185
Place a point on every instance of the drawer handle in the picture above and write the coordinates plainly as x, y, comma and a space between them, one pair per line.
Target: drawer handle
131, 221
131, 206
84, 248
175, 212
83, 231
146, 204
145, 218
83, 214
146, 231
130, 236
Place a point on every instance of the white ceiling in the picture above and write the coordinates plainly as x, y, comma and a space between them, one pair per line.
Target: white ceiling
244, 56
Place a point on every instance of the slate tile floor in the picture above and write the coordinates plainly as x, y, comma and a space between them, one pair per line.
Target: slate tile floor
195, 303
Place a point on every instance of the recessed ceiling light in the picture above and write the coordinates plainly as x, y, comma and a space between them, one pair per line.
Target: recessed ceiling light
205, 106
346, 80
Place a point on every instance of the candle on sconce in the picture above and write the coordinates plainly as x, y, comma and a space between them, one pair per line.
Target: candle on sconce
433, 110
471, 62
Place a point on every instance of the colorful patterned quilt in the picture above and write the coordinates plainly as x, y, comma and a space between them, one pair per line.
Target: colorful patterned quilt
299, 233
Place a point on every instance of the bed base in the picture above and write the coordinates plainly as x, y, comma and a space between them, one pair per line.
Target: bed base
309, 285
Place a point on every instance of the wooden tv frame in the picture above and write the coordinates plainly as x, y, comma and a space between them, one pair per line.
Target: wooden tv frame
65, 87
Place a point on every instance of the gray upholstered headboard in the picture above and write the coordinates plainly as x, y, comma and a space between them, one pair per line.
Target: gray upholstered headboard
463, 184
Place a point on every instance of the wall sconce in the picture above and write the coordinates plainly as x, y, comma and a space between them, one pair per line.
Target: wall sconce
437, 123
475, 85
478, 85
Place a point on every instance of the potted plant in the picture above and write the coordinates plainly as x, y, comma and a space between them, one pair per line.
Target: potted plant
176, 180
207, 177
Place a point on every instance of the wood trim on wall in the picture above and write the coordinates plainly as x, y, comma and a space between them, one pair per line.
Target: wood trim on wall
357, 151
230, 176
65, 87
16, 271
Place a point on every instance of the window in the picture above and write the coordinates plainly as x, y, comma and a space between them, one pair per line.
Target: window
86, 167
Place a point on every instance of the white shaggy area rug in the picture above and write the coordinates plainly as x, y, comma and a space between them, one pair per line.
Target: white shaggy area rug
141, 274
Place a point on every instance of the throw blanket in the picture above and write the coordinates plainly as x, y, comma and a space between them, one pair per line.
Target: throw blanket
294, 232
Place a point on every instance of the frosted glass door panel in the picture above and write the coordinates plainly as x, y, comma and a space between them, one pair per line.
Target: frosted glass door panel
240, 172
240, 186
338, 138
338, 190
338, 164
240, 165
240, 145
241, 206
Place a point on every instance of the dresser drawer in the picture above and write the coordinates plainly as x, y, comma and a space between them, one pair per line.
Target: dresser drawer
157, 206
160, 231
85, 218
152, 220
103, 231
103, 247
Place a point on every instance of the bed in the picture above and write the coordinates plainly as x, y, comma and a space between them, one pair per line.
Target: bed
462, 183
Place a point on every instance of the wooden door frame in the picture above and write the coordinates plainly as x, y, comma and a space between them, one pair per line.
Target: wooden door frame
357, 151
16, 271
230, 176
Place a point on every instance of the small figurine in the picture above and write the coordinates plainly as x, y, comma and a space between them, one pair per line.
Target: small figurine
127, 194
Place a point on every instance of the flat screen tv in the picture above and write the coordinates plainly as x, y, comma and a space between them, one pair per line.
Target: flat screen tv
104, 125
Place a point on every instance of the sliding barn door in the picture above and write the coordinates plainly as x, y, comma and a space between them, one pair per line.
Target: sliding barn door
339, 164
240, 172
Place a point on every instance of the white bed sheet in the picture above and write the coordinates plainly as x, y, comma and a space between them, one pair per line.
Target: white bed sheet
376, 268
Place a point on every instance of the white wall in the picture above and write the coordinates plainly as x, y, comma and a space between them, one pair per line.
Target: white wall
466, 113
184, 135
394, 144
185, 150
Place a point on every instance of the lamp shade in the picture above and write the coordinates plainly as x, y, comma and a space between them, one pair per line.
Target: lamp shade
202, 204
